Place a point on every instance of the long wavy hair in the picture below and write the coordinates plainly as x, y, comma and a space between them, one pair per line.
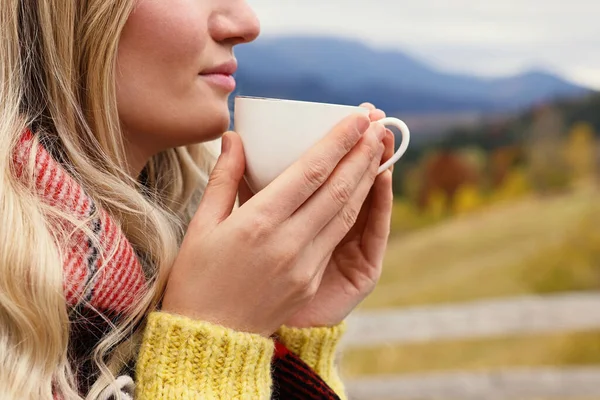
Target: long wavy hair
57, 79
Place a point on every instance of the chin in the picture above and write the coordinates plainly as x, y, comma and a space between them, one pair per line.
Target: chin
220, 119
214, 122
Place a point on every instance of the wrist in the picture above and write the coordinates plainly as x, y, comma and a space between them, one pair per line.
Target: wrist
224, 321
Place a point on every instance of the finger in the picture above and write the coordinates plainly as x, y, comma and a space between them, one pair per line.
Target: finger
389, 142
221, 192
376, 115
363, 215
337, 191
379, 214
300, 181
368, 105
377, 229
333, 233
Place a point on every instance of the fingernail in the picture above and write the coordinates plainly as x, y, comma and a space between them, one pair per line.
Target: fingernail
225, 143
362, 123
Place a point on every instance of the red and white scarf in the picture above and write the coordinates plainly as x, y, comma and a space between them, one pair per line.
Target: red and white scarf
116, 282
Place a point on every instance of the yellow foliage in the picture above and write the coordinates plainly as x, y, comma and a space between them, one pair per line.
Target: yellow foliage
515, 185
467, 198
437, 204
475, 157
580, 150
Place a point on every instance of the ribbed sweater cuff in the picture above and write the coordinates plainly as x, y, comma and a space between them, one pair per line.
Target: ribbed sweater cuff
317, 347
181, 358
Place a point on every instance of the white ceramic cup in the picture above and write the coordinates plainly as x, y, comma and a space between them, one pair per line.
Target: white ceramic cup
276, 133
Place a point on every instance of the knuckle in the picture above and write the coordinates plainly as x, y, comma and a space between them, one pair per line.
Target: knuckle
369, 151
349, 138
287, 255
378, 154
378, 129
257, 228
373, 169
348, 217
381, 149
302, 280
284, 251
316, 173
218, 177
340, 190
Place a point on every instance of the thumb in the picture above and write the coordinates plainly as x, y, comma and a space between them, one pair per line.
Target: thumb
221, 192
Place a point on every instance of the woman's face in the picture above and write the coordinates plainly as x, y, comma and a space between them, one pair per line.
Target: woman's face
174, 67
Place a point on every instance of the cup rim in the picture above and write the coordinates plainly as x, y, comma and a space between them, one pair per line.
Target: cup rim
275, 100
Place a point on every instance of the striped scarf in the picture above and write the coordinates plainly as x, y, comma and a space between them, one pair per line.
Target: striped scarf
97, 289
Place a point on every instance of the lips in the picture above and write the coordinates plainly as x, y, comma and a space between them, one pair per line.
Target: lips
226, 82
221, 75
227, 68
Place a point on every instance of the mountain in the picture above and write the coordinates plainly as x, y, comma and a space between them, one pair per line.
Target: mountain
343, 71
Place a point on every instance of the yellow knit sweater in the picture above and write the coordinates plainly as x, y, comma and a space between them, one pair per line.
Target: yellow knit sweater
181, 358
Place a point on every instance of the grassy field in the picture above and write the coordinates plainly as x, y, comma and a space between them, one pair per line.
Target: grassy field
534, 245
530, 246
572, 349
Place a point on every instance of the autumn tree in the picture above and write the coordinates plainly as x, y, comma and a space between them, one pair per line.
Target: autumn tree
547, 168
580, 151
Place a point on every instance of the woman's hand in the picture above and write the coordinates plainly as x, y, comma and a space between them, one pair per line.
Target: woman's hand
253, 268
354, 267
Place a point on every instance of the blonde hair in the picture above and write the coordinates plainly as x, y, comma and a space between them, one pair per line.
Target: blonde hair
57, 66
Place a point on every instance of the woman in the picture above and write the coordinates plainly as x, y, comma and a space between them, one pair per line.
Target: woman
110, 270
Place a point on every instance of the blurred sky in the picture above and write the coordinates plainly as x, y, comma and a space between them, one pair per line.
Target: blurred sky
484, 37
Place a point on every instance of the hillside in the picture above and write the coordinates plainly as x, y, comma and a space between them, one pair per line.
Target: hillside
343, 71
493, 132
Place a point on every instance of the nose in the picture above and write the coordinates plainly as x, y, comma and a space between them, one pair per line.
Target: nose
235, 24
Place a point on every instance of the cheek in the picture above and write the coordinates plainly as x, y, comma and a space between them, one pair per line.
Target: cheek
166, 34
162, 49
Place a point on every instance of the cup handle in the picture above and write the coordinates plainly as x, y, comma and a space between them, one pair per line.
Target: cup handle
403, 146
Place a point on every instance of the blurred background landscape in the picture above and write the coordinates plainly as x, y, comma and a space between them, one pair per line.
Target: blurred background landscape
491, 285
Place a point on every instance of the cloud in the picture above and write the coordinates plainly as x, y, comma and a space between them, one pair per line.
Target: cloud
474, 36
